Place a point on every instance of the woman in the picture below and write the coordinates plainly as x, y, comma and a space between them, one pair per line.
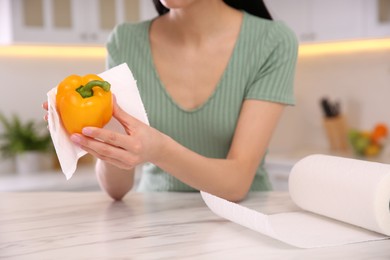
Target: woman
214, 81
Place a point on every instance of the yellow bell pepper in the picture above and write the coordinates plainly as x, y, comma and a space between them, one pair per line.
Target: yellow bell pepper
84, 101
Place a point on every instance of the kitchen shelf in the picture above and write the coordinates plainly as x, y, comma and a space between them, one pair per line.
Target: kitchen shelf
83, 180
333, 20
64, 21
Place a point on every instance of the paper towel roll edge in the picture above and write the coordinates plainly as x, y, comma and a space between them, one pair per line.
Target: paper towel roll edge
382, 201
382, 207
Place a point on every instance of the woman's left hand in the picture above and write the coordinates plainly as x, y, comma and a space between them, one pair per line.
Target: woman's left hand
140, 144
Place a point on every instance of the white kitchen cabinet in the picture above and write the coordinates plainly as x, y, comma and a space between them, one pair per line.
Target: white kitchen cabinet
296, 14
318, 20
63, 21
337, 19
377, 20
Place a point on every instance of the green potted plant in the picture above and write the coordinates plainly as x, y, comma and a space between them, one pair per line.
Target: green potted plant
28, 142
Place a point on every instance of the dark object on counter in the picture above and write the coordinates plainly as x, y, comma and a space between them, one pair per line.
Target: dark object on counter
335, 125
330, 109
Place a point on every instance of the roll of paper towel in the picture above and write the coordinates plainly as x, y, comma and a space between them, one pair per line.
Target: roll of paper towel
349, 190
342, 200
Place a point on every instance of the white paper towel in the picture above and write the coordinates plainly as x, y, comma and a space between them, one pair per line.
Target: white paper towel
124, 87
343, 200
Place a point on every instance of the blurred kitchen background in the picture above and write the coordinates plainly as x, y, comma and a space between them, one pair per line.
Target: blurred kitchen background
344, 56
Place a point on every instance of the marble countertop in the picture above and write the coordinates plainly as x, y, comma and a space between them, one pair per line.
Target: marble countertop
89, 225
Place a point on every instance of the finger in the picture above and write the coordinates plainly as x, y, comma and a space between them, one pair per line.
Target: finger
124, 118
107, 159
103, 150
107, 136
101, 147
45, 105
46, 117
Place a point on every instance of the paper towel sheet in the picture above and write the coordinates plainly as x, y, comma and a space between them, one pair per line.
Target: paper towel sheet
124, 87
343, 201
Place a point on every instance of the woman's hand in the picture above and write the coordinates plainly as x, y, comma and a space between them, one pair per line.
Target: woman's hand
45, 106
116, 182
140, 144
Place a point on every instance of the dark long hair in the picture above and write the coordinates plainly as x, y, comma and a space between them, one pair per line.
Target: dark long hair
254, 7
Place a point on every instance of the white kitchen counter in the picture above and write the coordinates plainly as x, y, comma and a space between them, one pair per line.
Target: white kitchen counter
88, 225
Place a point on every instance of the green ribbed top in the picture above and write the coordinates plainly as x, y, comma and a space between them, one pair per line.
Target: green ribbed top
261, 67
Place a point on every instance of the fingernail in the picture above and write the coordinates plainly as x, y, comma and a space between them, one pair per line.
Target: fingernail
86, 131
75, 138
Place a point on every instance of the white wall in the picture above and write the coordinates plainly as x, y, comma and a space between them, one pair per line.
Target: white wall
361, 81
147, 10
25, 81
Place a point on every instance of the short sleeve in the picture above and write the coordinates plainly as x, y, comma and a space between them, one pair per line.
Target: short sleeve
113, 48
274, 78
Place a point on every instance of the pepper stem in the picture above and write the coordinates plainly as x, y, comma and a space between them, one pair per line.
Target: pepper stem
86, 91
